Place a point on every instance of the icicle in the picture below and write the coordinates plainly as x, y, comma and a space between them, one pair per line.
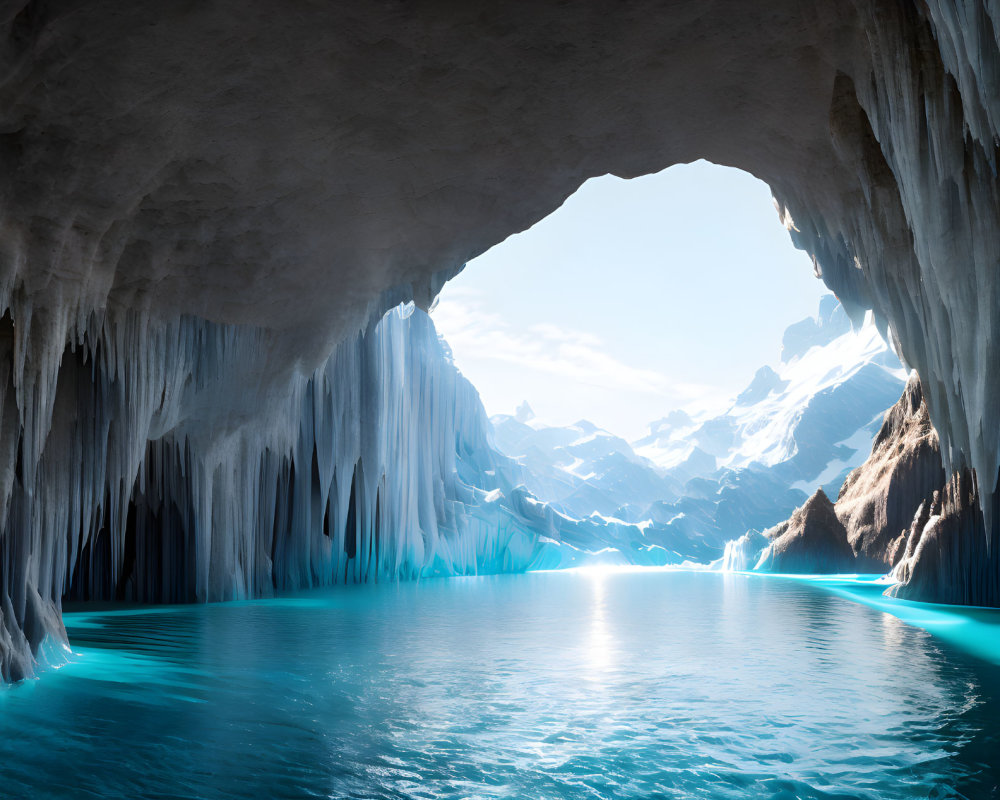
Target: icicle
131, 487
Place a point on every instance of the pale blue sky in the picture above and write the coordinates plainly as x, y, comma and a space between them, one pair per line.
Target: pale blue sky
634, 298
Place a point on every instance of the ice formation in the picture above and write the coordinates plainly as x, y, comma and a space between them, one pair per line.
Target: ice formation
374, 466
378, 465
201, 202
742, 554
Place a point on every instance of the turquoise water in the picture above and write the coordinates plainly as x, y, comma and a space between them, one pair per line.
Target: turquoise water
648, 684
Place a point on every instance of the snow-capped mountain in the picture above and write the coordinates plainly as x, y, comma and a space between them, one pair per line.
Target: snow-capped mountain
811, 420
581, 468
705, 479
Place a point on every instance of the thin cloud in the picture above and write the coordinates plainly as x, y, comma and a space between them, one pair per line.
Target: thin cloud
547, 348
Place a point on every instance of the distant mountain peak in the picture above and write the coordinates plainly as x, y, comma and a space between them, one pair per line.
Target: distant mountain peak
765, 381
831, 321
811, 417
524, 413
677, 418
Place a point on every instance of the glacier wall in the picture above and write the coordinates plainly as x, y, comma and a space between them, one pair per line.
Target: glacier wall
201, 202
377, 465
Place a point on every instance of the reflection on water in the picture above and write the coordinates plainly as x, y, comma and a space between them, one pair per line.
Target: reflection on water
557, 685
600, 640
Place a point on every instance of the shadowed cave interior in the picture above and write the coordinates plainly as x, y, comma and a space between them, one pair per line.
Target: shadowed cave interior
199, 401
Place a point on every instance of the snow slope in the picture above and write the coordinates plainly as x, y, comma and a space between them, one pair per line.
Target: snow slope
703, 480
581, 468
811, 420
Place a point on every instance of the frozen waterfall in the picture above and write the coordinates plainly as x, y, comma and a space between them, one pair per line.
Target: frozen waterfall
138, 467
378, 465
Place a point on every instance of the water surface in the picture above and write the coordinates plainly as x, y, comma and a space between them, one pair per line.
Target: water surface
650, 684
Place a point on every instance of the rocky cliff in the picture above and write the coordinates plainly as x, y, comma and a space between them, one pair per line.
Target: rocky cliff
813, 540
878, 499
897, 512
943, 557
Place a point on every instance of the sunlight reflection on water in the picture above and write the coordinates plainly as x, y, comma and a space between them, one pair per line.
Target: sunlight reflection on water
588, 684
600, 642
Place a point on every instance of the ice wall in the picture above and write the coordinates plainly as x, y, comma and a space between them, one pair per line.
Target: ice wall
378, 465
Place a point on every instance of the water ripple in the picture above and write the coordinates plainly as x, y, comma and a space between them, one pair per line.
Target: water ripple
635, 685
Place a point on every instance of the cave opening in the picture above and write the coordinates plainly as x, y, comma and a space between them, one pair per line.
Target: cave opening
709, 388
635, 297
836, 429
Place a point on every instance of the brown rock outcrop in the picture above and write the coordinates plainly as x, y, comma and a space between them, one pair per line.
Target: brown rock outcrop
899, 512
812, 541
946, 559
878, 499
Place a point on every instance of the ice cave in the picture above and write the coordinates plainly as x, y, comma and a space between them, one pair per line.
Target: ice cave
222, 225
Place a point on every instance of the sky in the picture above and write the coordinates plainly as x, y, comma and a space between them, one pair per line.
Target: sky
635, 298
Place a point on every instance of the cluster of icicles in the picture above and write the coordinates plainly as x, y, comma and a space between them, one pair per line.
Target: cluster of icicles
119, 482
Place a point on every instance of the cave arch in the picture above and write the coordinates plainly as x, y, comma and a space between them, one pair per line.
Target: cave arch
642, 279
223, 194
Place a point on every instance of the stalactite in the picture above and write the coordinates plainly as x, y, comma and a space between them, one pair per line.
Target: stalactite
356, 475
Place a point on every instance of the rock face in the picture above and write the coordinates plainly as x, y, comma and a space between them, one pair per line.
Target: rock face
879, 498
943, 558
875, 510
813, 541
898, 511
201, 202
